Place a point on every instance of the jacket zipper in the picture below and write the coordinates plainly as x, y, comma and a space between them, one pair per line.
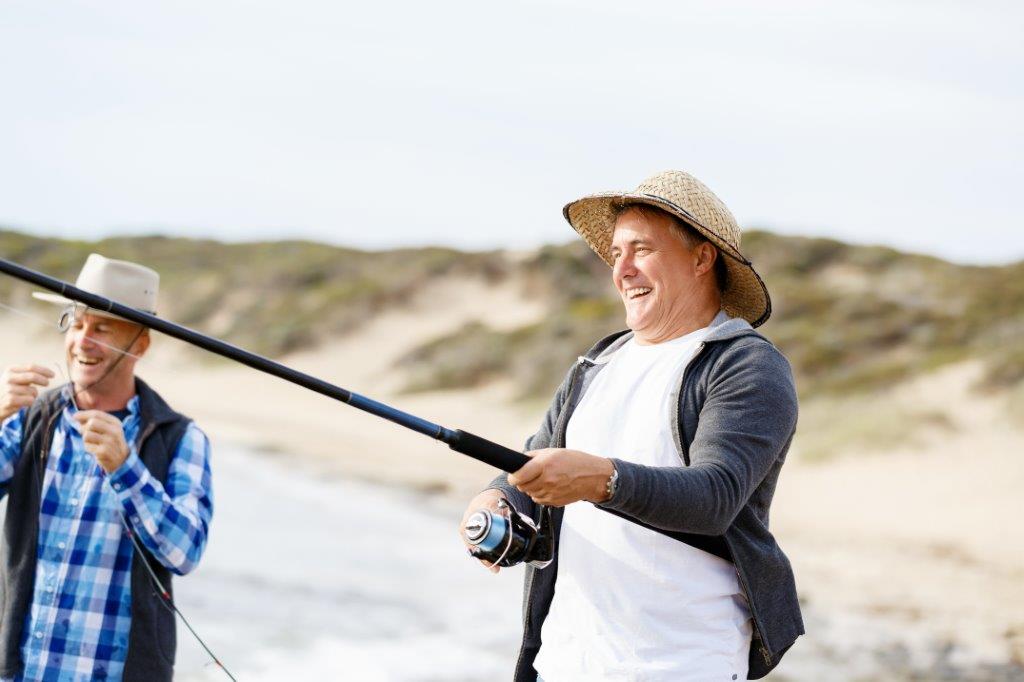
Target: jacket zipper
762, 648
562, 425
684, 458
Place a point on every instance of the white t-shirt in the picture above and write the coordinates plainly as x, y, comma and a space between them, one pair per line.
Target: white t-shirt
630, 603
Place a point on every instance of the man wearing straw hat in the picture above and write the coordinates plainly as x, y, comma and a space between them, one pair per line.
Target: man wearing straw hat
108, 493
682, 423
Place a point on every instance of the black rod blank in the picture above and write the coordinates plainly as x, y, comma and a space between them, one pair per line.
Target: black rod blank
466, 443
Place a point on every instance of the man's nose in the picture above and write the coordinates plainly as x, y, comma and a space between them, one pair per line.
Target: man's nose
82, 339
624, 267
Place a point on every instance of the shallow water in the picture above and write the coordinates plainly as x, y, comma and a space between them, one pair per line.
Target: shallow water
314, 578
319, 579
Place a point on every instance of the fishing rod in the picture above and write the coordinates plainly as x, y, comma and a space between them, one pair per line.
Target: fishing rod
504, 538
461, 441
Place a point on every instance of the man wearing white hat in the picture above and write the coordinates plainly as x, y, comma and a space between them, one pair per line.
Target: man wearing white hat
682, 423
108, 493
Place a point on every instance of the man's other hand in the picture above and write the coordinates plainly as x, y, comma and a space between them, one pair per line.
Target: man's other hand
557, 477
18, 387
104, 438
488, 499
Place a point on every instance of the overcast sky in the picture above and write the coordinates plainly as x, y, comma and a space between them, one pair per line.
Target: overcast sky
470, 124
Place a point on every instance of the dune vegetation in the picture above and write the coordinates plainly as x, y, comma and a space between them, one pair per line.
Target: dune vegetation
850, 318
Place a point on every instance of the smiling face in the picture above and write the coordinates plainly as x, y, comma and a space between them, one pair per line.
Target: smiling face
667, 286
91, 342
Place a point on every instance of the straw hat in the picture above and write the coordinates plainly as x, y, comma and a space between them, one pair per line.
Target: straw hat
130, 284
685, 197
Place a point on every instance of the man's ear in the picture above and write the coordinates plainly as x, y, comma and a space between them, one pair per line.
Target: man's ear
141, 344
706, 255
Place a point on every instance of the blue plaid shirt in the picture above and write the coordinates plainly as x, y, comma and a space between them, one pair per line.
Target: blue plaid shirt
77, 626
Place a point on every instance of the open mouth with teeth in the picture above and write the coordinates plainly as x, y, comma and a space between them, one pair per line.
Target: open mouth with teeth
88, 362
637, 292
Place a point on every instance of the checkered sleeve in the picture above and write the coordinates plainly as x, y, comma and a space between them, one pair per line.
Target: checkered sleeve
10, 448
171, 520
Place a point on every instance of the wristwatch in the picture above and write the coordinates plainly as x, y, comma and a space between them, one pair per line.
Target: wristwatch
613, 483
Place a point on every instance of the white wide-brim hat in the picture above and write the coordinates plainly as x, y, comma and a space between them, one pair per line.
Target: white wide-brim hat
129, 284
687, 198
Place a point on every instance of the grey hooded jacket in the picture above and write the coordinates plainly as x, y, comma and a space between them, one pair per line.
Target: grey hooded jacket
736, 418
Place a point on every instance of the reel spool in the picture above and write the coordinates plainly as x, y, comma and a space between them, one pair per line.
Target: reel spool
505, 537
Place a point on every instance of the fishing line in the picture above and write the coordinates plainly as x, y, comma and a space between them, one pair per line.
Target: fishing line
18, 311
165, 596
67, 318
62, 326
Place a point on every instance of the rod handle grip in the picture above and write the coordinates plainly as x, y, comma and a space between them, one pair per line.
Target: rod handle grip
487, 451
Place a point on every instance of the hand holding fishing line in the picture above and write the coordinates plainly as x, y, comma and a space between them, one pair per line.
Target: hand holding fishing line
19, 387
104, 438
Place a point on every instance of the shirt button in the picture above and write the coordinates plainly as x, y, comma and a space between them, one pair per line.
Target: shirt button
60, 545
50, 588
117, 486
39, 635
74, 501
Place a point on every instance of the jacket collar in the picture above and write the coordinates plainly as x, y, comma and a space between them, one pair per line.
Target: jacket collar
153, 409
723, 328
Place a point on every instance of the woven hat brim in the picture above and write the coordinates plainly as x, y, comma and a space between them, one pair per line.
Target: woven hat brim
593, 217
62, 301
